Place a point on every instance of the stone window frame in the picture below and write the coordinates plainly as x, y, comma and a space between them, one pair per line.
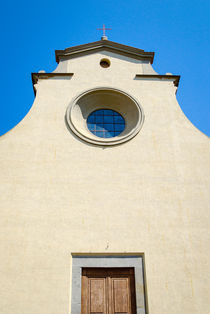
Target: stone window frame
93, 99
136, 261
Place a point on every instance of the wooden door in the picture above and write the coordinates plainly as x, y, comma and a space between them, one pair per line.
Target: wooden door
108, 291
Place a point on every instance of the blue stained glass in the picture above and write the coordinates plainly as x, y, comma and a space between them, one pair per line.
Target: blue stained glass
119, 119
105, 123
91, 119
91, 126
99, 134
99, 127
119, 127
111, 133
99, 119
99, 112
108, 112
108, 119
108, 135
108, 127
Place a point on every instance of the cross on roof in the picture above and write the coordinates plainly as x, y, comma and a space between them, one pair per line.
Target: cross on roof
104, 31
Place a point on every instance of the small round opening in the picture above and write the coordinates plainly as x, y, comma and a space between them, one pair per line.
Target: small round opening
104, 63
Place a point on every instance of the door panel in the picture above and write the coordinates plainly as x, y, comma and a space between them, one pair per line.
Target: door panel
121, 295
97, 295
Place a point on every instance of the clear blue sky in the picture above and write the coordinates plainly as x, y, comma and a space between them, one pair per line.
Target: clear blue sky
177, 31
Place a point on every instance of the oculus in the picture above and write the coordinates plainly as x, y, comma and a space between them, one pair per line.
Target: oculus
104, 116
105, 63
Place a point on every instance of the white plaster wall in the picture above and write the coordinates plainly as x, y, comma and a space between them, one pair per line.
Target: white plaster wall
86, 64
60, 195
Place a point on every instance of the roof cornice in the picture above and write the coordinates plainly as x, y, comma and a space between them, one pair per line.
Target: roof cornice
85, 49
174, 78
36, 76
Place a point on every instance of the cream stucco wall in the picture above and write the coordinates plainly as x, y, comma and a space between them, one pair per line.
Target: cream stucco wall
60, 195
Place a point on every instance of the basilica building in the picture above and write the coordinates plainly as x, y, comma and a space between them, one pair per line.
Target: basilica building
104, 192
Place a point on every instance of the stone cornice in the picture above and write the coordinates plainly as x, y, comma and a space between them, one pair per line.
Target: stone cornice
175, 78
85, 49
36, 76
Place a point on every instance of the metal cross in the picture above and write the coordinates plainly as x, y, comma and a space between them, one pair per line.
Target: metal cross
104, 31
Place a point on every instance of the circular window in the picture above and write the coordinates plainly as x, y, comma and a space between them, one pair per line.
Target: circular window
104, 63
104, 116
105, 123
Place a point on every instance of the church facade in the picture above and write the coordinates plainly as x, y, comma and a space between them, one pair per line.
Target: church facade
104, 192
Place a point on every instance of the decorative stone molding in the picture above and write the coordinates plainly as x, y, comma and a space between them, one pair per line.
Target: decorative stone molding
104, 98
135, 261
